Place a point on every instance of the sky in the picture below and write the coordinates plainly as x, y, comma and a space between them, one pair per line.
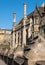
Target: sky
8, 7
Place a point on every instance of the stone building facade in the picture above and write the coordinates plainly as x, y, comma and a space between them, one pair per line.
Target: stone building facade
29, 26
5, 36
24, 33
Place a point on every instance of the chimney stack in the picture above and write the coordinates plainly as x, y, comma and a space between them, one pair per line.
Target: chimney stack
24, 10
14, 16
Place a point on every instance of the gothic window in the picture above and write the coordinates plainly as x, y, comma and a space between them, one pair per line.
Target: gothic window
21, 36
36, 20
18, 37
15, 38
26, 36
35, 33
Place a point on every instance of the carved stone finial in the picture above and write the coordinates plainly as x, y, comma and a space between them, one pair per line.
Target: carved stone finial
14, 16
43, 4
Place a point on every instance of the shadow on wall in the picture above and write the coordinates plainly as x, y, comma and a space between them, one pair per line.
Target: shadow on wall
40, 63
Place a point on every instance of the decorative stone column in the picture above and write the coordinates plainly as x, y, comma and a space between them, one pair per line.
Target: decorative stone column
13, 35
24, 26
16, 39
13, 39
30, 29
24, 36
20, 37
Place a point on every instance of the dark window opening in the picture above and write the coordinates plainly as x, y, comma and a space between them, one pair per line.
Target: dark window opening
27, 37
15, 38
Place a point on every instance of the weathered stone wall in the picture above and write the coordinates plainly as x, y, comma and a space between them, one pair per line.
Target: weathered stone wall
5, 35
37, 52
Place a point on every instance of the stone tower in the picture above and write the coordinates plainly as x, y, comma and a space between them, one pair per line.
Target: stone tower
14, 24
24, 23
